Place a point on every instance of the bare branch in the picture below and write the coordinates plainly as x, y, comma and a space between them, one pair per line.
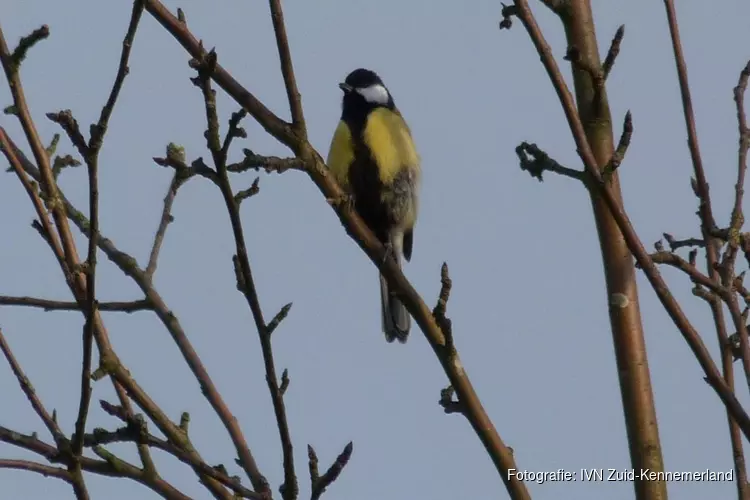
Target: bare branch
276, 321
267, 163
247, 193
442, 304
45, 470
622, 146
535, 161
266, 118
234, 131
129, 266
135, 431
19, 54
613, 52
122, 469
675, 244
110, 364
674, 260
28, 390
507, 13
166, 219
321, 483
287, 70
59, 305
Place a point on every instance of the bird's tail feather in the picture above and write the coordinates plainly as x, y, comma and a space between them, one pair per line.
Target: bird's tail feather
396, 319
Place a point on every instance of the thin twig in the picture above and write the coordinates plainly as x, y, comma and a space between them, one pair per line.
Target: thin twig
321, 483
613, 52
622, 146
44, 470
270, 164
535, 161
15, 157
287, 69
164, 221
28, 390
675, 244
697, 277
59, 305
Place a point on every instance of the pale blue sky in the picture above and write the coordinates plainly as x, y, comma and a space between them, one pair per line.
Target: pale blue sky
528, 303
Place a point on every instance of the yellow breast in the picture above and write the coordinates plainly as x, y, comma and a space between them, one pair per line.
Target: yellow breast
390, 142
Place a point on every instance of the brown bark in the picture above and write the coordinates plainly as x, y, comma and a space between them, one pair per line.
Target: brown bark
619, 268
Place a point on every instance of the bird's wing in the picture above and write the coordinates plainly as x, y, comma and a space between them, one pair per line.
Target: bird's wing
341, 154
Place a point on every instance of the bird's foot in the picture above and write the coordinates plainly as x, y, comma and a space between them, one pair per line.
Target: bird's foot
345, 201
388, 252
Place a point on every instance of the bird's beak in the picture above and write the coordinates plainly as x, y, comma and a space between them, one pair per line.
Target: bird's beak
345, 87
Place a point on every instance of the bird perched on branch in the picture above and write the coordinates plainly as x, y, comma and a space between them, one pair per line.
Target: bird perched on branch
373, 158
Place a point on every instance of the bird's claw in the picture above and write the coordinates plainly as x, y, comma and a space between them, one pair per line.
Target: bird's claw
388, 252
345, 201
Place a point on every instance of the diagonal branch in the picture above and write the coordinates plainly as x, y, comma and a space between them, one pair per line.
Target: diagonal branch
287, 69
321, 483
274, 125
28, 389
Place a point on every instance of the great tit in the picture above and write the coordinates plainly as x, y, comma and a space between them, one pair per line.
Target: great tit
373, 158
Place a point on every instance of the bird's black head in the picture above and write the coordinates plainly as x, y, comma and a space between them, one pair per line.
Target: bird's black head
364, 91
363, 78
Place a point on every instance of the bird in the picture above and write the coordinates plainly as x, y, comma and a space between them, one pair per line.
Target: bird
374, 159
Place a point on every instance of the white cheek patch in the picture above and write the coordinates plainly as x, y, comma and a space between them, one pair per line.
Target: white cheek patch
375, 94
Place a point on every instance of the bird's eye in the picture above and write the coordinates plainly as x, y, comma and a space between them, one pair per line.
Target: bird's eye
375, 94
